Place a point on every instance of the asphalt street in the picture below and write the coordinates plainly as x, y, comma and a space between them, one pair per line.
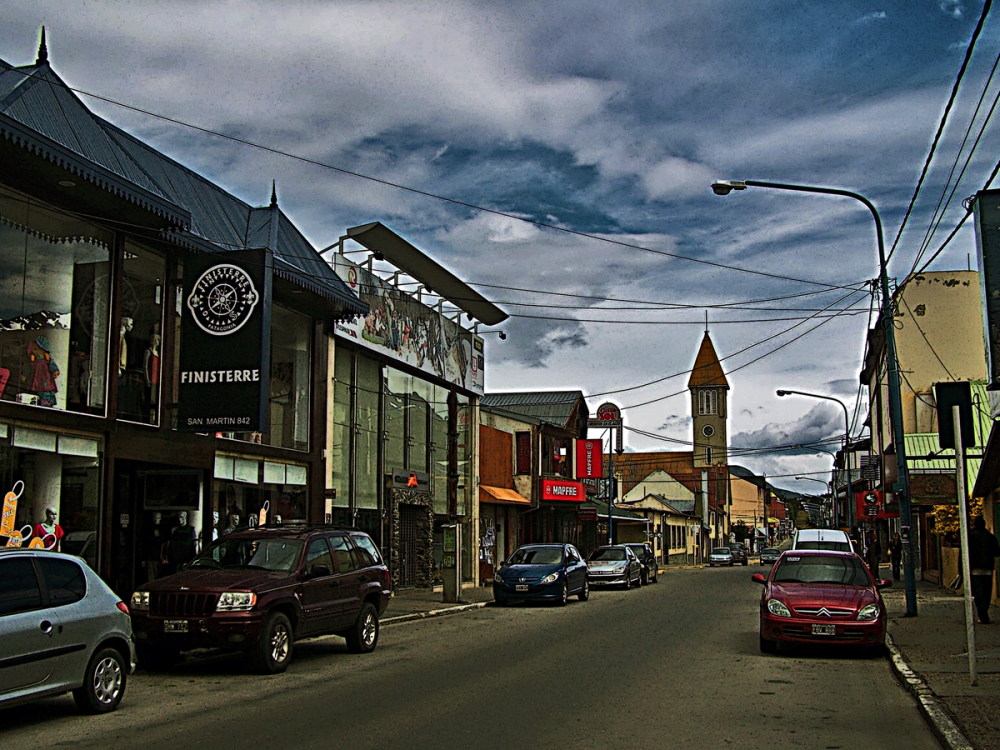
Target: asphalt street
673, 664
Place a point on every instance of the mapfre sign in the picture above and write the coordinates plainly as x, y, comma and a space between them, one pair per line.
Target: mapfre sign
588, 459
564, 490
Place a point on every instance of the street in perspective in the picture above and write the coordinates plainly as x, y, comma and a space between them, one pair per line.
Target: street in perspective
450, 374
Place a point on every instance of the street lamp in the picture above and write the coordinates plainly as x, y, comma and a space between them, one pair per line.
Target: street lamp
901, 486
847, 442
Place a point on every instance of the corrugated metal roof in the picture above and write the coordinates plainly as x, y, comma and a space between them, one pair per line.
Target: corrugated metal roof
920, 445
554, 407
37, 100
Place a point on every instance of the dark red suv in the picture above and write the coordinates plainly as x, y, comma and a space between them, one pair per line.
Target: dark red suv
260, 590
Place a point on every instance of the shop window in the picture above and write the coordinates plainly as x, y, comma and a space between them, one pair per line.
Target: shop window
523, 449
55, 301
464, 437
556, 456
288, 399
138, 369
367, 435
340, 453
439, 456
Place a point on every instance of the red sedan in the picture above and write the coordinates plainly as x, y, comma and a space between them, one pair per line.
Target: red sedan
821, 597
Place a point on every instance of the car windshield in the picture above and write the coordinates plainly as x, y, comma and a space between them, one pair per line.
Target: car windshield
607, 554
536, 556
822, 569
769, 551
825, 546
265, 554
721, 551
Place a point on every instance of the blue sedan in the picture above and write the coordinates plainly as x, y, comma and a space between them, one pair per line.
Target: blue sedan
550, 572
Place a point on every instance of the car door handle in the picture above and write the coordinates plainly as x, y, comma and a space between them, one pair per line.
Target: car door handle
46, 627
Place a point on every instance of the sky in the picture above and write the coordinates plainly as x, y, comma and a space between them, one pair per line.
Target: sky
591, 133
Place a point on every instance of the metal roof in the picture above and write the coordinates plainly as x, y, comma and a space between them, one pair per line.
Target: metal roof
554, 407
379, 238
41, 114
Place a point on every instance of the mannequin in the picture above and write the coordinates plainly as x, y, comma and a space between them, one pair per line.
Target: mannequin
123, 344
182, 546
215, 525
151, 370
153, 538
232, 523
49, 527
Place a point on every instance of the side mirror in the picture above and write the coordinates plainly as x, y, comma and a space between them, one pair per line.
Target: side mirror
758, 578
884, 583
319, 571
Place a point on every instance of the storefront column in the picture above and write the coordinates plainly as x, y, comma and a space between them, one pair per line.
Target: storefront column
48, 486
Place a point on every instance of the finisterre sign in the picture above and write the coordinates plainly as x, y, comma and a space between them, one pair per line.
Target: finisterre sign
225, 346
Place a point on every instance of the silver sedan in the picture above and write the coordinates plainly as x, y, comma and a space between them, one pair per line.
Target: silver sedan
614, 565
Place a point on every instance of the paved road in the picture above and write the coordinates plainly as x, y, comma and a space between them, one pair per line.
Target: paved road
674, 664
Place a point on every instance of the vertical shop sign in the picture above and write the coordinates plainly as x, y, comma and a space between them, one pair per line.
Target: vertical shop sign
988, 248
589, 463
225, 348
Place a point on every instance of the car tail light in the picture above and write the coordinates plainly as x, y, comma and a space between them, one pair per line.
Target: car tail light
122, 606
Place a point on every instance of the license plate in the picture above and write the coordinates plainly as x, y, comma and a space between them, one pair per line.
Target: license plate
521, 587
175, 626
824, 629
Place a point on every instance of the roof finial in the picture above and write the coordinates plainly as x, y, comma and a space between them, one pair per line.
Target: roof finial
274, 195
43, 51
706, 322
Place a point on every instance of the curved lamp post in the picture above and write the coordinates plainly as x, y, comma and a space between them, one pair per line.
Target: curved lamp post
847, 442
901, 487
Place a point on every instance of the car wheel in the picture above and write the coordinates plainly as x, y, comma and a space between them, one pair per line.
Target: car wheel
363, 637
156, 658
746, 562
643, 578
584, 594
273, 651
767, 647
628, 582
103, 683
638, 580
500, 602
563, 599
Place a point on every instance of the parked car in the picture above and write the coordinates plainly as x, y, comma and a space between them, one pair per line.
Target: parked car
650, 570
547, 572
821, 597
260, 590
822, 539
614, 565
82, 544
769, 555
720, 556
739, 553
61, 630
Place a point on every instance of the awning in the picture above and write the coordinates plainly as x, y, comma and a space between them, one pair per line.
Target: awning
501, 495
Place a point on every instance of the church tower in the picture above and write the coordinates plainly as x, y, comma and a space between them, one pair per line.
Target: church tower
709, 407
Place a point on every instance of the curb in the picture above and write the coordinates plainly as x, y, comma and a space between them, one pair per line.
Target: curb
941, 724
433, 613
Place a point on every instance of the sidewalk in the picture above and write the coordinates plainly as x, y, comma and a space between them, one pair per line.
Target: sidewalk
415, 604
931, 659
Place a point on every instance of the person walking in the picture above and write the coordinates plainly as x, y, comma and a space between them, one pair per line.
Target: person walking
983, 552
896, 555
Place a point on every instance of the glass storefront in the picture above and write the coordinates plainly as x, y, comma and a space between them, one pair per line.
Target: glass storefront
59, 479
289, 389
244, 486
55, 297
138, 371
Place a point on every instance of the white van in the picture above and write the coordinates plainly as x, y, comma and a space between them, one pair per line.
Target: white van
824, 539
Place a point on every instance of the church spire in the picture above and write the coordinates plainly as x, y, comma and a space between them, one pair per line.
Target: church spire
707, 369
43, 51
274, 194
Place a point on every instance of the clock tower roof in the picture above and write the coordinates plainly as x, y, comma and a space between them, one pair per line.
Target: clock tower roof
707, 370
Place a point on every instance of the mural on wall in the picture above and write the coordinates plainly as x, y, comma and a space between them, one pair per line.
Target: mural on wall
409, 331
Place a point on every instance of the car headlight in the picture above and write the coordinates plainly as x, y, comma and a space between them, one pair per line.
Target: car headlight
140, 601
621, 568
778, 608
497, 578
550, 578
869, 612
236, 601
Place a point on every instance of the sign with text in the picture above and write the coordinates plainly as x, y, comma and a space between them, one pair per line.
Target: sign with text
586, 513
225, 346
564, 490
871, 504
589, 463
607, 411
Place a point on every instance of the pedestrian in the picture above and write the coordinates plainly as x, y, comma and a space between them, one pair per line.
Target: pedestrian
983, 552
873, 553
895, 555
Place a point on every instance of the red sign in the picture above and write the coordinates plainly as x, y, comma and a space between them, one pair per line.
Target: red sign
589, 463
564, 490
871, 504
608, 411
587, 513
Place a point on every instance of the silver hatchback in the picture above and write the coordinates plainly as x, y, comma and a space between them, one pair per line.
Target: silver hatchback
61, 630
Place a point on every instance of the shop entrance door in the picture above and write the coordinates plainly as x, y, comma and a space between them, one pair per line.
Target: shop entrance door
409, 524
